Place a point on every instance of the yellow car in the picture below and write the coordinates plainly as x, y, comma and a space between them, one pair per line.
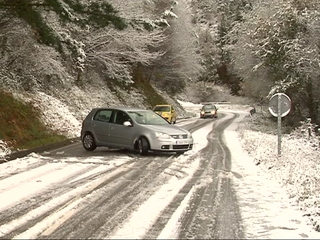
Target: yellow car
167, 112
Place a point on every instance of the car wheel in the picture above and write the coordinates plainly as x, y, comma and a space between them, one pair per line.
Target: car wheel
88, 142
143, 146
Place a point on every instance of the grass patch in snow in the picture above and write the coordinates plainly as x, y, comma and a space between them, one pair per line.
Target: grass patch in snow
20, 126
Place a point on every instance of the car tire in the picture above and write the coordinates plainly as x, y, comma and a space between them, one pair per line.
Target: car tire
143, 146
88, 142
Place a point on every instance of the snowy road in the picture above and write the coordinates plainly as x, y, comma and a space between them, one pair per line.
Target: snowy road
204, 193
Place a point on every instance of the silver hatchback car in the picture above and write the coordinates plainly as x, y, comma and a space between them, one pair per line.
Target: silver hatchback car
134, 129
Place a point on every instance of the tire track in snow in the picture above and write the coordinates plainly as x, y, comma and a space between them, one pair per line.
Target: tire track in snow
206, 195
139, 224
107, 211
44, 189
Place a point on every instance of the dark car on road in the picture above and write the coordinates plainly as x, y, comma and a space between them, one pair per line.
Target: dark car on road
134, 129
209, 110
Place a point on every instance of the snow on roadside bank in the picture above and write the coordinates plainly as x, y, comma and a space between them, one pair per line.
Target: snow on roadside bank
266, 209
297, 169
54, 113
4, 150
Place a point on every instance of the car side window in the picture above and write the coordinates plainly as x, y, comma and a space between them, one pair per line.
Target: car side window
121, 117
103, 115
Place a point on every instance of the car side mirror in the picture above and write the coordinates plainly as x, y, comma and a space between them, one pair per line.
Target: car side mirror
127, 124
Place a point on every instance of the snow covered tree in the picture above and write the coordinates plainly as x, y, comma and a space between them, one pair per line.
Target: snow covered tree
54, 21
277, 50
118, 51
94, 14
91, 34
181, 62
216, 19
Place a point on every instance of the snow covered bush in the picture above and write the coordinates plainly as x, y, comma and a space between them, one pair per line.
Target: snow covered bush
298, 166
4, 150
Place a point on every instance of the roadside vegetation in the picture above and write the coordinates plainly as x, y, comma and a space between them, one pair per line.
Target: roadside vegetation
296, 168
20, 126
259, 48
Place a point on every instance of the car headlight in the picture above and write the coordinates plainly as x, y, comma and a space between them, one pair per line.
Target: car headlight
213, 112
189, 135
162, 135
202, 112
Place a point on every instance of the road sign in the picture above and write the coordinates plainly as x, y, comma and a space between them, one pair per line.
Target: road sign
279, 101
279, 106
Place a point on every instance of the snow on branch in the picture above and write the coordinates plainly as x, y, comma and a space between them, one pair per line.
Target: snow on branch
118, 50
169, 13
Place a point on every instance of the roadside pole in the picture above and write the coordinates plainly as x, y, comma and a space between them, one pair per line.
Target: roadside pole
279, 125
279, 106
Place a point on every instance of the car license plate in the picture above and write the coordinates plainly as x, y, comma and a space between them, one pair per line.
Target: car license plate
181, 142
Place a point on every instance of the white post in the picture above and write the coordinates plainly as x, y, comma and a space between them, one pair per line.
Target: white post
279, 124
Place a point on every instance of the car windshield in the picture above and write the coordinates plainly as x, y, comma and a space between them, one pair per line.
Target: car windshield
162, 109
206, 107
147, 118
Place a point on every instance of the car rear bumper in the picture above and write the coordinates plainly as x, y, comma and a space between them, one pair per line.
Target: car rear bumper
205, 115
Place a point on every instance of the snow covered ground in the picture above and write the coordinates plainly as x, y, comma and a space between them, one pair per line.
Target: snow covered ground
264, 204
267, 210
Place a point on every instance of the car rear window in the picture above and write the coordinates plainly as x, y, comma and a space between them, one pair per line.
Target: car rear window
162, 108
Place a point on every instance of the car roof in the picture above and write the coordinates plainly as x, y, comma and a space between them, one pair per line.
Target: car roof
163, 105
121, 108
208, 105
